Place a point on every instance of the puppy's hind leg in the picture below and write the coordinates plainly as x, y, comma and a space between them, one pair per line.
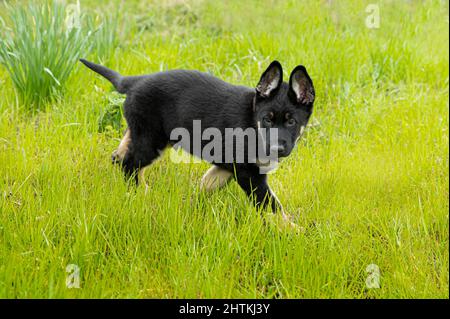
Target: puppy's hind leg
142, 180
142, 151
119, 154
215, 178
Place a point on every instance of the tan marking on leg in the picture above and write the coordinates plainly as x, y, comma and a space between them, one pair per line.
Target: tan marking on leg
142, 179
286, 219
119, 154
214, 178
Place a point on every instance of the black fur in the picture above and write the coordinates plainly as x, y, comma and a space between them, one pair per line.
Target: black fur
157, 103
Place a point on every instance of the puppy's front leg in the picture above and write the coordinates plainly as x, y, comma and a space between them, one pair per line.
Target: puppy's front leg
255, 185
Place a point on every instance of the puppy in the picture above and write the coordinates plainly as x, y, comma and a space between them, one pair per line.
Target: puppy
159, 104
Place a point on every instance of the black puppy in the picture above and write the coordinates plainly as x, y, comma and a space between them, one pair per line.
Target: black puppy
159, 103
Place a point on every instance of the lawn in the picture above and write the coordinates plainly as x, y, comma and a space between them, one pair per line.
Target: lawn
368, 183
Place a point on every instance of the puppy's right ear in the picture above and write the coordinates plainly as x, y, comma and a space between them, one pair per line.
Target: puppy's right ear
270, 80
301, 88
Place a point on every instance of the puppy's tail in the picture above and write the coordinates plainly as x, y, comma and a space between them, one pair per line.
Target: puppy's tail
114, 77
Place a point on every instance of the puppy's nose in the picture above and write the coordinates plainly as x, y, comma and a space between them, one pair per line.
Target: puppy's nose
278, 149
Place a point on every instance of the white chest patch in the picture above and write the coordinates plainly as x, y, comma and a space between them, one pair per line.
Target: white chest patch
267, 167
302, 129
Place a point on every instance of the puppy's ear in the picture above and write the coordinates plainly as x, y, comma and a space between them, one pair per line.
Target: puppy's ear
270, 80
301, 88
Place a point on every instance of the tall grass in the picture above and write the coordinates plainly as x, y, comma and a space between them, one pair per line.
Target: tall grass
40, 49
40, 44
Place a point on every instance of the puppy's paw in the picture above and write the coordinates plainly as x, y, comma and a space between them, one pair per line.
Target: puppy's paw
284, 223
115, 158
288, 225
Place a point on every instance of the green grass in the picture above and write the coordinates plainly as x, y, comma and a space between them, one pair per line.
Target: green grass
39, 49
368, 182
40, 43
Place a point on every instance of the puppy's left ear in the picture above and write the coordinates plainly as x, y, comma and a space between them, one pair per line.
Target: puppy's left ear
301, 87
270, 80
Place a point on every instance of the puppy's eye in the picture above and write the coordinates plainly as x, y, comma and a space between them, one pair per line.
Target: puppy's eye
267, 121
290, 122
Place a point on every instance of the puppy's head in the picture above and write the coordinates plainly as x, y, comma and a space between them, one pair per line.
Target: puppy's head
285, 107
